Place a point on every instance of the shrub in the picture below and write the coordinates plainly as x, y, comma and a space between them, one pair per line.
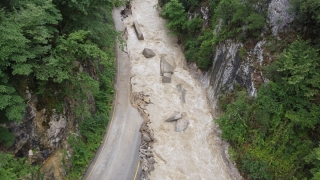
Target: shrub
175, 13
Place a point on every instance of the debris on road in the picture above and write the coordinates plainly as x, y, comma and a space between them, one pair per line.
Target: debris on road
140, 101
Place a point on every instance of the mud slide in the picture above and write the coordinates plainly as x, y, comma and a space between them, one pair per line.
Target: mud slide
195, 153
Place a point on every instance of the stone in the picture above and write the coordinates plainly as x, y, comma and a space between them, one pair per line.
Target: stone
147, 100
137, 30
30, 152
149, 154
166, 78
151, 168
175, 116
182, 93
148, 53
165, 67
146, 137
182, 125
151, 160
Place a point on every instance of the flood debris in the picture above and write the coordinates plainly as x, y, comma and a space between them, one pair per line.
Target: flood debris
126, 11
148, 53
137, 30
140, 101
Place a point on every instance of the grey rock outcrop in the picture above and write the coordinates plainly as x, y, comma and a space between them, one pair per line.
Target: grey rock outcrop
148, 53
279, 16
182, 125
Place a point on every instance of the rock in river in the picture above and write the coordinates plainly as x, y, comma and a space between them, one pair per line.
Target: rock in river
148, 53
182, 125
175, 116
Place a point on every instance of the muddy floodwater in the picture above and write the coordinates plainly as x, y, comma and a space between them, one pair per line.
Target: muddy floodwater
195, 153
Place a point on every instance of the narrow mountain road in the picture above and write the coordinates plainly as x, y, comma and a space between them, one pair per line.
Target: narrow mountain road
118, 156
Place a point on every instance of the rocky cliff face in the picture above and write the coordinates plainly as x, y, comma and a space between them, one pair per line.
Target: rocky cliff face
229, 68
43, 137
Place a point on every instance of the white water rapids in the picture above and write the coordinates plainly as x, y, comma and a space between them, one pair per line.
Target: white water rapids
193, 154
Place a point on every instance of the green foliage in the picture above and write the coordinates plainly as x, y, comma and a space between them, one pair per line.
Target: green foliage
92, 130
314, 158
239, 17
6, 138
236, 120
12, 168
11, 104
175, 13
273, 133
230, 19
308, 10
298, 77
24, 36
66, 49
307, 16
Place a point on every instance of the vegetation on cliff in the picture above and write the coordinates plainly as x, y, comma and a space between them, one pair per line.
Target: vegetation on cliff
276, 134
62, 49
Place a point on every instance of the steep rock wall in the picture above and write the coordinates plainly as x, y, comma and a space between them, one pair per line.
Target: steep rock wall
43, 137
229, 68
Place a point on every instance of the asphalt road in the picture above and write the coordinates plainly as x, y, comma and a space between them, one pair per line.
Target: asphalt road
118, 156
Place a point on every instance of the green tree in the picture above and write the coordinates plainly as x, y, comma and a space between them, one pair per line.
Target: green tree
175, 13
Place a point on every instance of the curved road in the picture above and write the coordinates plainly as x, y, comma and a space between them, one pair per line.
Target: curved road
118, 156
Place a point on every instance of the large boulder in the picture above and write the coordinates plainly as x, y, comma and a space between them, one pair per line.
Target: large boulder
182, 93
166, 78
165, 67
175, 116
148, 53
137, 30
182, 125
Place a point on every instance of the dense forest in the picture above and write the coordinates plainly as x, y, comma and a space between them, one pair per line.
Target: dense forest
276, 134
56, 50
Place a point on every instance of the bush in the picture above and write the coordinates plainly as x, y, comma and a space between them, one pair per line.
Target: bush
85, 146
12, 168
6, 138
175, 13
